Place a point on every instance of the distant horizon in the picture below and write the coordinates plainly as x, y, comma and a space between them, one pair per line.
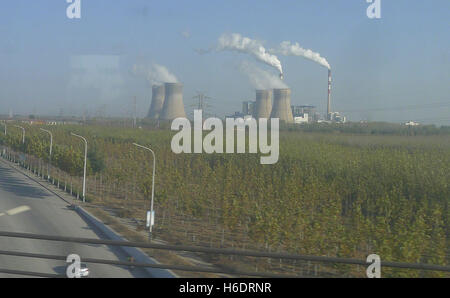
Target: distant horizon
26, 117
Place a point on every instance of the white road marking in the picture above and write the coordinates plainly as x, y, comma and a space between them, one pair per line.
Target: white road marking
16, 211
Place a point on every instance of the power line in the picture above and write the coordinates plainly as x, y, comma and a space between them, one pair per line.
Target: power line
245, 253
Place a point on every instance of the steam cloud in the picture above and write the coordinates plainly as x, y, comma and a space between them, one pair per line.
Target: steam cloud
287, 48
261, 79
238, 43
155, 73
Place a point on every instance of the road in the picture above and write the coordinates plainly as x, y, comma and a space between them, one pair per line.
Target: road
48, 215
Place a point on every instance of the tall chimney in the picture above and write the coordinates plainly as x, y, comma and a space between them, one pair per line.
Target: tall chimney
173, 102
263, 106
157, 102
282, 105
329, 93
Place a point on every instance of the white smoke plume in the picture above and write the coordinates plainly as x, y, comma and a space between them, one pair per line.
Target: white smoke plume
239, 43
261, 79
155, 74
287, 48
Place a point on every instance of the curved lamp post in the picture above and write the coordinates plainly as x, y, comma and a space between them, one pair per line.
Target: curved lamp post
23, 133
51, 146
153, 186
85, 162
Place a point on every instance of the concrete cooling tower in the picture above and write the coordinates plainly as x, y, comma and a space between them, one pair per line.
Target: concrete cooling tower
282, 105
173, 102
263, 106
157, 102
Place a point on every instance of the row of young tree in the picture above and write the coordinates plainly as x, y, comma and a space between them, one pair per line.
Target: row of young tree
373, 128
339, 196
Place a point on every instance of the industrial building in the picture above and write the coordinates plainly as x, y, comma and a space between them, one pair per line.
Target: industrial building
280, 107
304, 112
167, 104
336, 117
301, 119
276, 103
237, 115
248, 107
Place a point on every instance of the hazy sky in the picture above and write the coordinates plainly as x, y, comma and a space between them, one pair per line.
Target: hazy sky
49, 62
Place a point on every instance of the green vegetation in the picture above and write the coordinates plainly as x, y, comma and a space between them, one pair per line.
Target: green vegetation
330, 193
373, 128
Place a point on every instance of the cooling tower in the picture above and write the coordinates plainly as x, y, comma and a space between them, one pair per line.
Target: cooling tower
282, 105
263, 106
157, 102
173, 102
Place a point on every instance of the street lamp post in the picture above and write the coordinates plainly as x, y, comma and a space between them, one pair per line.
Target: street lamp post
85, 162
23, 133
51, 146
153, 186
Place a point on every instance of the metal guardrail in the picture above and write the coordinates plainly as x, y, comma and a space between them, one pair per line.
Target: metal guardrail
29, 273
323, 259
146, 265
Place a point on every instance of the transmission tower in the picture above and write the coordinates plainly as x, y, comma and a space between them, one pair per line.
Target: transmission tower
201, 103
135, 112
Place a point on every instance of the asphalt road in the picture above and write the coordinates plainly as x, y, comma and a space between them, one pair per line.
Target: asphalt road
48, 215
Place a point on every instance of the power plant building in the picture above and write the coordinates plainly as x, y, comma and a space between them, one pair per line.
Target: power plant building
306, 112
336, 117
248, 107
301, 119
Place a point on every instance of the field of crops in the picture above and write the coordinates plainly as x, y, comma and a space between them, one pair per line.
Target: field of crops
335, 194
